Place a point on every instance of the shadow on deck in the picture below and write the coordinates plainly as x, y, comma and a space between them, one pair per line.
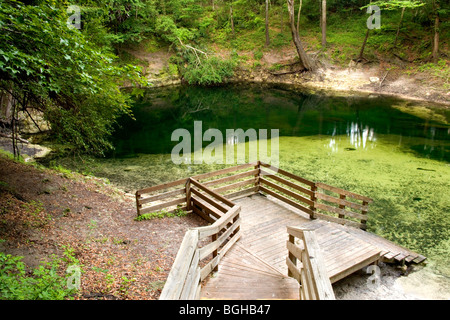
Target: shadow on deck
284, 237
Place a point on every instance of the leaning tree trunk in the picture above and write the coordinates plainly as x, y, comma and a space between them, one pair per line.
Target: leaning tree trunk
361, 53
299, 13
304, 59
399, 25
267, 24
324, 23
232, 20
435, 54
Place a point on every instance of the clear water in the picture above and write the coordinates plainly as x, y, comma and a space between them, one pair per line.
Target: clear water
396, 152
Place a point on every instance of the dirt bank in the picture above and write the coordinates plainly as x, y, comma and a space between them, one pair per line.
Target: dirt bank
279, 67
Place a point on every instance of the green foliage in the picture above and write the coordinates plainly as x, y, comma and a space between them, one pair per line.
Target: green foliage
55, 69
43, 283
161, 214
208, 71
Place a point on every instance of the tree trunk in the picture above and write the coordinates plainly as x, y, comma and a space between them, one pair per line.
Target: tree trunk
324, 23
298, 16
399, 25
267, 24
232, 21
304, 59
361, 53
282, 22
435, 55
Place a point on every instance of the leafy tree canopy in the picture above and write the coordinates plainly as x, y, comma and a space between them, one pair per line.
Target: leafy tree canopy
49, 66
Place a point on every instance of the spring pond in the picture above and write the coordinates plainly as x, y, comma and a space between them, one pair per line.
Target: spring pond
396, 152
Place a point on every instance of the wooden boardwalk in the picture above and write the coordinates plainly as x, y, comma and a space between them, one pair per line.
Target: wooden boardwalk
255, 267
271, 232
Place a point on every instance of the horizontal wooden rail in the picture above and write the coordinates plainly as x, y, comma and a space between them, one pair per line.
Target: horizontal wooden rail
184, 280
306, 265
348, 212
341, 208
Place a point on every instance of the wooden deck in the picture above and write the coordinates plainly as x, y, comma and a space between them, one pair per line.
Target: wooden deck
255, 268
271, 232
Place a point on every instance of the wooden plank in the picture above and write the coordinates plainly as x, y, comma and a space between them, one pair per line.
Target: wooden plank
161, 196
318, 270
160, 206
192, 279
223, 171
355, 267
209, 248
293, 270
340, 221
294, 250
219, 224
212, 211
230, 243
342, 202
290, 175
212, 193
205, 216
286, 200
161, 186
288, 183
342, 191
287, 192
209, 267
239, 194
177, 276
340, 211
231, 178
234, 186
209, 200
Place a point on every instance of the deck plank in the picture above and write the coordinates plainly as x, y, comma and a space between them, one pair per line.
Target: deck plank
255, 268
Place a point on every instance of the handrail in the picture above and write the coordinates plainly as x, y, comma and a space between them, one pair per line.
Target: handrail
183, 282
147, 201
215, 206
316, 199
310, 271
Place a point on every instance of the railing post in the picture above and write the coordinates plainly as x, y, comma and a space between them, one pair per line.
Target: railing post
188, 194
364, 222
312, 215
291, 256
258, 176
138, 205
215, 252
343, 197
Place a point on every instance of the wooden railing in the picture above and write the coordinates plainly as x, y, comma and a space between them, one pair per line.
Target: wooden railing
210, 196
183, 282
352, 208
305, 264
231, 183
316, 199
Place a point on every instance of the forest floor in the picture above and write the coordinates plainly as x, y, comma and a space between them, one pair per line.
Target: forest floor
45, 212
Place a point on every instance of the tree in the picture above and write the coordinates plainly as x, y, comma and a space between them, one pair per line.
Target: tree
324, 23
304, 59
267, 24
47, 66
435, 54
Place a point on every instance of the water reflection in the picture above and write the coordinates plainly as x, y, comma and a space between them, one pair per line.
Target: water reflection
356, 136
348, 122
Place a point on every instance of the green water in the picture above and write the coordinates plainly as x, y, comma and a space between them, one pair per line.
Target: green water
394, 151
